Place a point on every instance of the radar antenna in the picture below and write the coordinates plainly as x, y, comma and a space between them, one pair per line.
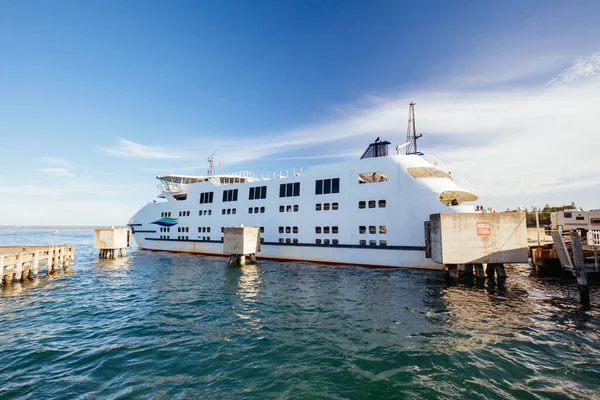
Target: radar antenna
411, 132
211, 164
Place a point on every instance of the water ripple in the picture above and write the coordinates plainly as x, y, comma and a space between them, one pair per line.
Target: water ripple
157, 325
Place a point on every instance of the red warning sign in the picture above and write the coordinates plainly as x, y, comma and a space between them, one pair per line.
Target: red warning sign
484, 229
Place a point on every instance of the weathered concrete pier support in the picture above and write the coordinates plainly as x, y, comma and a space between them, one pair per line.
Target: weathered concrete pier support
112, 242
242, 244
24, 262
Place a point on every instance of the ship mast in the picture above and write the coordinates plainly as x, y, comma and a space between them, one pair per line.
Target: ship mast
411, 132
211, 164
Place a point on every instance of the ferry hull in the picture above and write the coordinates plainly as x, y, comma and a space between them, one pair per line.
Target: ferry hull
378, 257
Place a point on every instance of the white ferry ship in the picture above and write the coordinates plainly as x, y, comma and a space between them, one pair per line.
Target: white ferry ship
369, 211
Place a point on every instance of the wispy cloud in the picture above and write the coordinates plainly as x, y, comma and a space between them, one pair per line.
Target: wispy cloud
128, 148
58, 162
63, 172
584, 67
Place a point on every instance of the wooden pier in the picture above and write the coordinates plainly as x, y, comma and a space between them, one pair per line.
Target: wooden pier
18, 263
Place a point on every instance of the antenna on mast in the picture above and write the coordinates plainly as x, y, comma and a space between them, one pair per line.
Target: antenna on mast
211, 164
411, 132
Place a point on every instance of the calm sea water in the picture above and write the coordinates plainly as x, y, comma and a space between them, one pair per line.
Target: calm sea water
160, 325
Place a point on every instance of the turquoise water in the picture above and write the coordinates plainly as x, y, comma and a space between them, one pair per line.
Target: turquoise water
161, 325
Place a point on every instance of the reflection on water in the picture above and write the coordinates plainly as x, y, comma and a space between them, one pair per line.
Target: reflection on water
161, 325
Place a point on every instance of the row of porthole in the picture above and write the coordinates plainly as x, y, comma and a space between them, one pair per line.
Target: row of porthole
288, 229
183, 229
204, 229
326, 229
165, 214
255, 210
183, 237
372, 229
205, 212
326, 241
373, 242
288, 240
165, 229
164, 237
372, 204
289, 208
261, 229
184, 213
228, 211
205, 238
325, 206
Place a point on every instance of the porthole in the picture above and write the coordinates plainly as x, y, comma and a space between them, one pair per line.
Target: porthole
334, 206
362, 204
326, 206
295, 229
383, 242
326, 241
281, 240
318, 206
250, 210
288, 240
295, 207
334, 241
318, 241
262, 209
362, 229
255, 210
382, 203
317, 229
295, 240
372, 230
382, 229
281, 229
288, 209
362, 242
334, 229
326, 229
371, 203
281, 208
372, 242
288, 229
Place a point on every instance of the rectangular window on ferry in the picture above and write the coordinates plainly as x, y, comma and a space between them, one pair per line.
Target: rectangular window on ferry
319, 187
335, 185
235, 193
201, 198
282, 190
210, 197
263, 194
326, 186
251, 194
297, 189
288, 190
224, 195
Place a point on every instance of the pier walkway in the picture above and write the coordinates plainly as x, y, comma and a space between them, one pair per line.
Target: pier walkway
24, 262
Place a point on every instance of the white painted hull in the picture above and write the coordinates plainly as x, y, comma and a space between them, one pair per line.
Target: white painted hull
386, 232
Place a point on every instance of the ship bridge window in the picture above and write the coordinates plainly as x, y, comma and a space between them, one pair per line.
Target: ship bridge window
377, 149
289, 189
180, 197
372, 177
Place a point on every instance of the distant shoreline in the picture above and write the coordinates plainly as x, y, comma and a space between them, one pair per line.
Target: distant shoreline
49, 227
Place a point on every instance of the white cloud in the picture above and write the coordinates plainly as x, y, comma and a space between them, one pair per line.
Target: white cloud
128, 148
63, 172
584, 67
57, 162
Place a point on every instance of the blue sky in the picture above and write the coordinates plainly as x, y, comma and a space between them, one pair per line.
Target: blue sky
98, 97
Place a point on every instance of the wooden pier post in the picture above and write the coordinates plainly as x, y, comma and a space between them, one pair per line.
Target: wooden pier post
19, 267
1, 268
579, 261
469, 271
36, 263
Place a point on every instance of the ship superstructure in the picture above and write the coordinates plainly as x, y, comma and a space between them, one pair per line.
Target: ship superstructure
369, 211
